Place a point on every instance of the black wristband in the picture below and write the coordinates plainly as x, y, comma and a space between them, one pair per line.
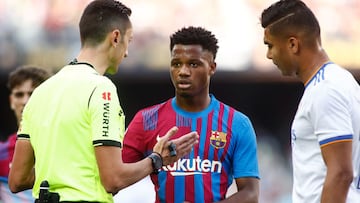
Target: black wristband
156, 161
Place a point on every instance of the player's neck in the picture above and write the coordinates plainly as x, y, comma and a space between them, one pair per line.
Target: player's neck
193, 103
312, 65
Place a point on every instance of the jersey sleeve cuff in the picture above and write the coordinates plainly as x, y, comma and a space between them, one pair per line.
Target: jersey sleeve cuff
107, 143
341, 138
23, 137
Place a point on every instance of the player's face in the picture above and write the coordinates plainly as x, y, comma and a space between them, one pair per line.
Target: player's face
279, 53
121, 51
191, 69
19, 97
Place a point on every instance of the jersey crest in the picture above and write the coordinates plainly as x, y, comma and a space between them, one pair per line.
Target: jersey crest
218, 139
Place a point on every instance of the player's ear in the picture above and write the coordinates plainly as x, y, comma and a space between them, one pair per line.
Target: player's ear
212, 68
293, 44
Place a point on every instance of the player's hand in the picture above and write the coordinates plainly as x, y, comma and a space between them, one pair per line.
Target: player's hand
183, 145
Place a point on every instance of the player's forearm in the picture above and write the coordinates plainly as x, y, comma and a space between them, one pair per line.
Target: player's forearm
336, 187
242, 197
246, 194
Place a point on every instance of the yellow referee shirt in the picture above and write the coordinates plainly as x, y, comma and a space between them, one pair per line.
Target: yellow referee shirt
65, 118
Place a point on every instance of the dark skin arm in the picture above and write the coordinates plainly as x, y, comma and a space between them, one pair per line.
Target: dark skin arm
339, 175
247, 191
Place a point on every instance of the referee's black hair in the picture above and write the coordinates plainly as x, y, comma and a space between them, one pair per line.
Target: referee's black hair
100, 17
195, 36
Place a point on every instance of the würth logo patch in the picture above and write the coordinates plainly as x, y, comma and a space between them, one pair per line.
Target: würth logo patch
106, 96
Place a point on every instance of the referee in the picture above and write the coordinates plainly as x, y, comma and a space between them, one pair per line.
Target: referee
71, 128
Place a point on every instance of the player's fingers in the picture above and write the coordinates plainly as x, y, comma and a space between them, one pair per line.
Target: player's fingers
184, 149
169, 134
163, 142
189, 139
185, 143
183, 146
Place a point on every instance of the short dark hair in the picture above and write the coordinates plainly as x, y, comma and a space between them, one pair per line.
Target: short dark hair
100, 17
23, 73
290, 15
195, 36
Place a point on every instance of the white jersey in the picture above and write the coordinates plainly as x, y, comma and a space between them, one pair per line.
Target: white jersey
329, 111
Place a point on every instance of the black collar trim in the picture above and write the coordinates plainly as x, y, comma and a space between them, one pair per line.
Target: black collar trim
75, 62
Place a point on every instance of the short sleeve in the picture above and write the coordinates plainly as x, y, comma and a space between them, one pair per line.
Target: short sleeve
106, 115
330, 107
134, 146
245, 160
24, 130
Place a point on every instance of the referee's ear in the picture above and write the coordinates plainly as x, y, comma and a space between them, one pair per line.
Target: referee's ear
115, 37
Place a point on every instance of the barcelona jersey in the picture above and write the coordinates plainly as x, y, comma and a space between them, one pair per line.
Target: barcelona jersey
226, 150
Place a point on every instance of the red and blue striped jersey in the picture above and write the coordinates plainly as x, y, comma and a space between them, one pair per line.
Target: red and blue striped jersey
226, 150
6, 155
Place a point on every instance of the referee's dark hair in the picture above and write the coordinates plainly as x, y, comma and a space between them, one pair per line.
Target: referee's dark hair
100, 17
